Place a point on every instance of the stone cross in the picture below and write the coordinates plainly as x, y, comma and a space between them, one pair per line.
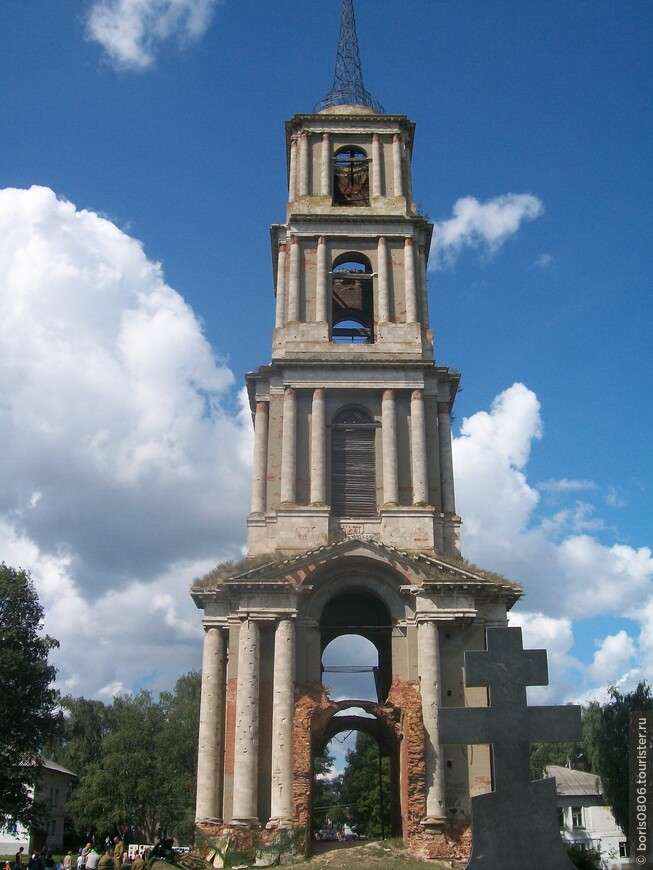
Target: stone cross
515, 826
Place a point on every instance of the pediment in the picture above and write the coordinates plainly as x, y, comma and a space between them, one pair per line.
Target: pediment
412, 570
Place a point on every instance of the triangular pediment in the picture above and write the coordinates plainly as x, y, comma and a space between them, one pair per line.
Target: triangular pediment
411, 569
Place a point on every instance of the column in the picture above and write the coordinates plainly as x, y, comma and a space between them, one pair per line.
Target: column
384, 292
389, 432
303, 164
247, 725
418, 448
321, 314
281, 285
424, 287
325, 174
428, 643
283, 710
397, 169
211, 731
318, 448
446, 458
292, 172
293, 282
376, 166
409, 280
288, 447
260, 469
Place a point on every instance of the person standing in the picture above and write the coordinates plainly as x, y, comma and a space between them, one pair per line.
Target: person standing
92, 859
18, 864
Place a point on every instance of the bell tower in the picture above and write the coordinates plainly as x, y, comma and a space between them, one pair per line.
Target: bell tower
353, 432
353, 527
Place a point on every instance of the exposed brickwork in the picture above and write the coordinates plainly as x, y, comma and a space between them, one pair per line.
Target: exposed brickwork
230, 729
311, 710
453, 839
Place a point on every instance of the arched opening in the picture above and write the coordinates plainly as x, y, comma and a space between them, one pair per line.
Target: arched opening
350, 668
353, 464
355, 786
361, 615
351, 177
352, 300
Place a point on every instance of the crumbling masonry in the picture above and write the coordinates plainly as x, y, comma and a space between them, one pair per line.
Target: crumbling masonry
353, 527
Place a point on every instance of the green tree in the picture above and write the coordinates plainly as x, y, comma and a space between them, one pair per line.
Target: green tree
605, 735
367, 794
139, 760
327, 799
27, 698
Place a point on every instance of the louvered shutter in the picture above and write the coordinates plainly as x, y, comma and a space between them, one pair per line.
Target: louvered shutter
353, 470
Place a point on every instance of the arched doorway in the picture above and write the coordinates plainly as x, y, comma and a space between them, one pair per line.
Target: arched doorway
356, 792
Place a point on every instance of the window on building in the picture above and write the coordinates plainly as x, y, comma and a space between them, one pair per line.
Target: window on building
623, 849
351, 177
561, 817
352, 300
577, 817
353, 464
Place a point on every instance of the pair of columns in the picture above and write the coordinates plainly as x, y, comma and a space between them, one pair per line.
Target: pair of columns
210, 768
418, 451
300, 165
292, 249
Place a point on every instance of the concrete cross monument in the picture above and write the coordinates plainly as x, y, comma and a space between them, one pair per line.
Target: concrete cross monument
516, 825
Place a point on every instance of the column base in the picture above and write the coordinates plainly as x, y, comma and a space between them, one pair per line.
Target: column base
433, 821
245, 823
279, 824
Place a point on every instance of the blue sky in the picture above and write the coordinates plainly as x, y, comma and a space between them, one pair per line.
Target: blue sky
155, 134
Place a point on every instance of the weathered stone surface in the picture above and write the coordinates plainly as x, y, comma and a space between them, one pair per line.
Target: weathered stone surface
515, 825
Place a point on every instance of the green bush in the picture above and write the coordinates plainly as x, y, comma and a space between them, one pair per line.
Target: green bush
585, 859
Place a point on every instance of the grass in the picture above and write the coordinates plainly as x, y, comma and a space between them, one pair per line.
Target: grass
372, 855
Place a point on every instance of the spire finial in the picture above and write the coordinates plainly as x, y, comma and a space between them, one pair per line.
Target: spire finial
348, 88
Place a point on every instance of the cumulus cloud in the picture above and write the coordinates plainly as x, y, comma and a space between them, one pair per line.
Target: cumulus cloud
613, 654
125, 473
568, 574
133, 31
486, 225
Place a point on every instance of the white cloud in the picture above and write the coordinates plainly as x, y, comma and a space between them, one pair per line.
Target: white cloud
132, 31
124, 474
567, 573
613, 654
566, 485
544, 261
481, 224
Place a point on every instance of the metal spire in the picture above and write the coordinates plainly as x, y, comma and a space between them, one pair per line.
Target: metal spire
348, 88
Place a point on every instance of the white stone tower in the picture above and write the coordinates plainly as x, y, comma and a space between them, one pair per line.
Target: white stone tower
353, 527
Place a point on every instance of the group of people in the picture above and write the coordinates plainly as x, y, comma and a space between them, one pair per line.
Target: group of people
113, 856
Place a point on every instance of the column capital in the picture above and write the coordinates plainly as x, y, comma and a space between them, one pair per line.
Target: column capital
387, 395
289, 392
262, 407
417, 396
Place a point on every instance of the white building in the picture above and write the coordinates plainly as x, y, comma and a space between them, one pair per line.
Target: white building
584, 818
53, 791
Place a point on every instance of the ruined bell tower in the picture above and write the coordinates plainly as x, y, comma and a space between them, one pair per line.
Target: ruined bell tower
353, 526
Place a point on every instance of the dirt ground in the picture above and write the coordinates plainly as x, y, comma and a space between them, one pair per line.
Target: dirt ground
373, 855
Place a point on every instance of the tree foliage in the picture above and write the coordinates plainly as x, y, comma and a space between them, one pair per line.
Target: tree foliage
605, 735
367, 793
136, 760
27, 698
327, 797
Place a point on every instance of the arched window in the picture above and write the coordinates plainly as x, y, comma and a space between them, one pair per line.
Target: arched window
351, 177
353, 464
352, 300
